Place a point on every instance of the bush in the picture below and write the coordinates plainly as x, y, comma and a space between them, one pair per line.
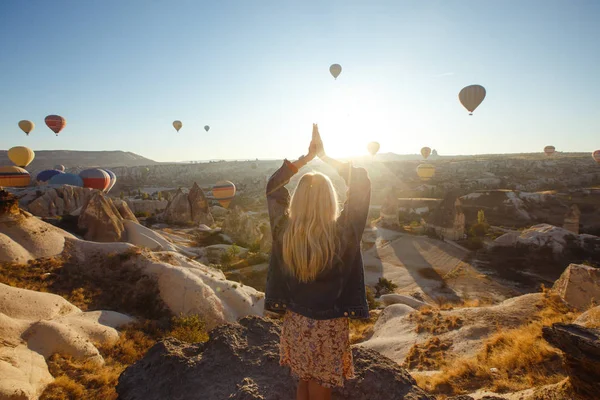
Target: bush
189, 329
479, 230
142, 214
474, 243
384, 286
373, 304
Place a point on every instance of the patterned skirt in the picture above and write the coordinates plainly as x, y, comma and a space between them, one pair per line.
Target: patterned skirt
317, 350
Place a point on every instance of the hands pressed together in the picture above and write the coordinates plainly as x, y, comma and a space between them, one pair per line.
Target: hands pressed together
316, 145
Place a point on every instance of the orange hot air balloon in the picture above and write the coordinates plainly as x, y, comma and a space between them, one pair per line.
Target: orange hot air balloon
596, 156
14, 177
425, 171
56, 123
373, 148
425, 152
26, 126
224, 192
549, 150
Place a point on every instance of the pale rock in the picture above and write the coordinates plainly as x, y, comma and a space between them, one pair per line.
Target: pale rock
124, 210
242, 227
590, 318
31, 305
24, 373
392, 298
579, 285
147, 206
219, 212
200, 211
179, 211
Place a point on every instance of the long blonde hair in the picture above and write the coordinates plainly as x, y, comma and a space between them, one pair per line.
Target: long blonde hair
309, 240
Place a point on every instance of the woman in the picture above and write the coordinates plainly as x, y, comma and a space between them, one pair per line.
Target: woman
316, 273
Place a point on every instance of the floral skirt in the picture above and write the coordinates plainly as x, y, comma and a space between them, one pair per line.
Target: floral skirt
317, 350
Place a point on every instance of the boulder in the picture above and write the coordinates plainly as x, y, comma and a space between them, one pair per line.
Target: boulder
242, 227
51, 201
581, 347
124, 210
179, 211
590, 318
24, 237
579, 285
24, 372
248, 351
199, 208
101, 220
393, 298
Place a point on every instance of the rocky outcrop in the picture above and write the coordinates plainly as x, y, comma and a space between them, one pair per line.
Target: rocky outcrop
124, 210
241, 361
55, 201
101, 220
242, 227
184, 286
24, 237
199, 208
579, 286
147, 206
581, 347
188, 208
590, 318
35, 325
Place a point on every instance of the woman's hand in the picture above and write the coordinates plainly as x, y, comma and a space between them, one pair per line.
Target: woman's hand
317, 142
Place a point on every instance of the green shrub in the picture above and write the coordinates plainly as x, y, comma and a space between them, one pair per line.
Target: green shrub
373, 304
384, 286
189, 329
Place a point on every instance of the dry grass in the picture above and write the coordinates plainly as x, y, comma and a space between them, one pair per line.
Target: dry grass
362, 329
429, 355
432, 321
522, 358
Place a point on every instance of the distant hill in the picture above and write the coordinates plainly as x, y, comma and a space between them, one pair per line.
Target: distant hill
77, 159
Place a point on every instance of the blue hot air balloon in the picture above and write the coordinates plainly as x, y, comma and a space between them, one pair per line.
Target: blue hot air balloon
47, 174
66, 179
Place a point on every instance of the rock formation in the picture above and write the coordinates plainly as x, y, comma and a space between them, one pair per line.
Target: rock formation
579, 286
24, 237
35, 325
572, 219
448, 219
55, 201
581, 347
241, 361
199, 208
147, 206
242, 227
185, 286
101, 220
188, 208
124, 210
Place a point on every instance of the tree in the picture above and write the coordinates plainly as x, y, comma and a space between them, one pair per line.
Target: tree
481, 217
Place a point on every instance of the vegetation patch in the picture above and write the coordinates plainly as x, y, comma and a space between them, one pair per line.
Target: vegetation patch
362, 329
432, 321
510, 360
430, 355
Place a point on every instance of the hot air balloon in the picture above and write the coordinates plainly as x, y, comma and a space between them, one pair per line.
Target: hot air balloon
206, 128
549, 150
596, 156
60, 167
14, 177
425, 152
66, 179
471, 97
56, 123
335, 70
21, 156
113, 179
177, 125
425, 171
26, 126
47, 174
224, 191
373, 148
95, 178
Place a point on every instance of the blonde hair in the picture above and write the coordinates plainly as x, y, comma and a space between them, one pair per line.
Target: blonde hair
310, 240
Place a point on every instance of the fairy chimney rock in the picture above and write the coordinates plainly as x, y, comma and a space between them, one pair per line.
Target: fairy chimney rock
571, 222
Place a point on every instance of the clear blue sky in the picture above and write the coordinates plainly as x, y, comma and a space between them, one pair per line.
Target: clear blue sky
257, 72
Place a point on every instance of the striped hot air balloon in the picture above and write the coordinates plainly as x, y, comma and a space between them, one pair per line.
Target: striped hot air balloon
46, 175
549, 150
66, 179
471, 97
95, 178
425, 171
113, 179
596, 156
224, 192
56, 123
14, 176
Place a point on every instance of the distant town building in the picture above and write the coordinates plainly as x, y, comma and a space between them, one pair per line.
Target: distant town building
448, 219
572, 219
